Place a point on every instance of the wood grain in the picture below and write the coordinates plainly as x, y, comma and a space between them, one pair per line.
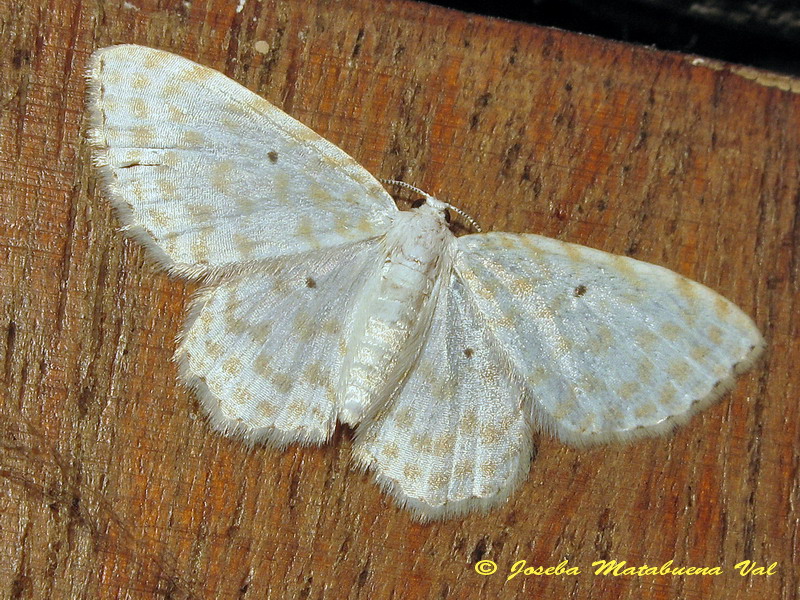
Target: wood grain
113, 486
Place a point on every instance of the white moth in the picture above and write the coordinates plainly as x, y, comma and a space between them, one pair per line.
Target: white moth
326, 303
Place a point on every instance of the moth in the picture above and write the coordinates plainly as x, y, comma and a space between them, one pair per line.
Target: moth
324, 303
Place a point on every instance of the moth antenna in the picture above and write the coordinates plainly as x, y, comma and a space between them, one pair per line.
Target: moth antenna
405, 185
468, 218
472, 222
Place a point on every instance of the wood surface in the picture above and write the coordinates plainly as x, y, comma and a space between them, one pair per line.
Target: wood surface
112, 484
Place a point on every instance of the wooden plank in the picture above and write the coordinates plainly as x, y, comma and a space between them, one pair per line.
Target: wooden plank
114, 486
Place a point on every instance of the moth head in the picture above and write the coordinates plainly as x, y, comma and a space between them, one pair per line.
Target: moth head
434, 205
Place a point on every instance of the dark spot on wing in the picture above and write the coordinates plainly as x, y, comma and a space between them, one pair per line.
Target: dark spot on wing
417, 203
21, 57
310, 282
580, 290
273, 156
468, 352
